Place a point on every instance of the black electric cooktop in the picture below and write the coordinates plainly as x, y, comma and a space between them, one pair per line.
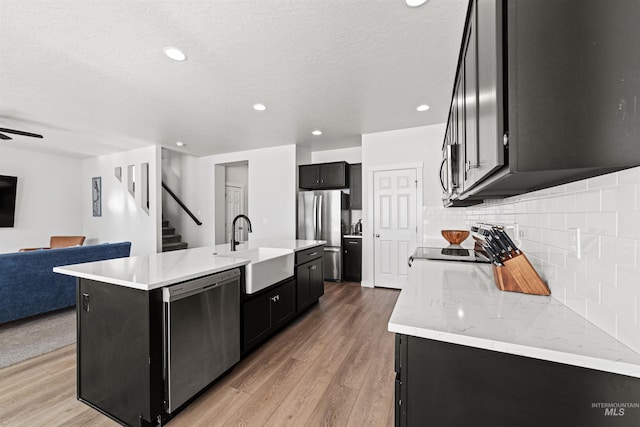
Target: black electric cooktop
450, 253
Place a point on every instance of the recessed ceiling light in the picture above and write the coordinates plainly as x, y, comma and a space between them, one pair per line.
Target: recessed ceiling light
175, 53
180, 143
259, 107
415, 3
317, 132
423, 107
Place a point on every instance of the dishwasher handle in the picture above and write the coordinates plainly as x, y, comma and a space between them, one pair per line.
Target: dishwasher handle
202, 284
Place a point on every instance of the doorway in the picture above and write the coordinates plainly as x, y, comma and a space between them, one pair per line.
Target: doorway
395, 228
231, 199
235, 205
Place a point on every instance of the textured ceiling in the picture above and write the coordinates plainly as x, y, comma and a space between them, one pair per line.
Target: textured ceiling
91, 75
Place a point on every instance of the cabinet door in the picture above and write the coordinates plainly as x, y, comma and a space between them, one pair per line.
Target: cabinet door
490, 117
333, 175
283, 303
309, 176
471, 103
257, 320
116, 365
353, 259
316, 279
303, 278
355, 186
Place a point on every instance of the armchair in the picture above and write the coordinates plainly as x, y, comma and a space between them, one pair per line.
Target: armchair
60, 242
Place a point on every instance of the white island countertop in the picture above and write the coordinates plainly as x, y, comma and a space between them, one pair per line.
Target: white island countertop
148, 272
458, 302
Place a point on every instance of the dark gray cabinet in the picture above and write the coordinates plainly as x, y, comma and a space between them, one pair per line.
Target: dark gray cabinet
266, 312
450, 385
544, 94
323, 176
119, 349
352, 251
309, 277
355, 185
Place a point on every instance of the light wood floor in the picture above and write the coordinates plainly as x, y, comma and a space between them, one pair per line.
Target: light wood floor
333, 366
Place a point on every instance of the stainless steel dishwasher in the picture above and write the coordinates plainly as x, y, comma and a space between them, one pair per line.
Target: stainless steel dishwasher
201, 333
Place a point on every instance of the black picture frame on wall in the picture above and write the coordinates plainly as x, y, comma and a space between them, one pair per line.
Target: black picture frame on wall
96, 195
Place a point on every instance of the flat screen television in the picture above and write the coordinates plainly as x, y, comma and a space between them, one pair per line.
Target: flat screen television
8, 186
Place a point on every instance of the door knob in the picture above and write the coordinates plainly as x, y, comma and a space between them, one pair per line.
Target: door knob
377, 235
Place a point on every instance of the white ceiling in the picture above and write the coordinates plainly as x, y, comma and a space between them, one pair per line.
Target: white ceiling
91, 76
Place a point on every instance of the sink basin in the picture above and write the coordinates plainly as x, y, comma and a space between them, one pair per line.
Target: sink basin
268, 266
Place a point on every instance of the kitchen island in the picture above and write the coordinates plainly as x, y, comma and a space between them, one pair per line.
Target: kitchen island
469, 354
155, 330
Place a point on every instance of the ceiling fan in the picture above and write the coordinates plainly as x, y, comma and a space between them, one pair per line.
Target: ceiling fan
16, 132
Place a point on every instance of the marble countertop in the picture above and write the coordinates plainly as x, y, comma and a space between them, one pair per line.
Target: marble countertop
459, 303
148, 272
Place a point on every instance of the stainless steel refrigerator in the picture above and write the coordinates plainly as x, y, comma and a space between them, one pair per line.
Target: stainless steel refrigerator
325, 215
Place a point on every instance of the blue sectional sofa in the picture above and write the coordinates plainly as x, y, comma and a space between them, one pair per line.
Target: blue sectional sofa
28, 285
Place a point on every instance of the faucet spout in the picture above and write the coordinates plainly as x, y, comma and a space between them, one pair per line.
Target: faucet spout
234, 243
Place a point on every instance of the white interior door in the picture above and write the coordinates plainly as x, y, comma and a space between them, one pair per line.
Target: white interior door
394, 225
234, 198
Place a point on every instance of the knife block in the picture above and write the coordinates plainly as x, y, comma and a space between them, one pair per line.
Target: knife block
518, 275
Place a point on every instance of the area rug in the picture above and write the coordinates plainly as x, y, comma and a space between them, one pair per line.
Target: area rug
24, 339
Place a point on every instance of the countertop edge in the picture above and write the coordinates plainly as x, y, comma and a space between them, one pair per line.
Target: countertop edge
604, 365
148, 287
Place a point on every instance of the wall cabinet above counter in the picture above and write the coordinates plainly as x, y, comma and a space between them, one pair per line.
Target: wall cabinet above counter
322, 176
334, 175
545, 93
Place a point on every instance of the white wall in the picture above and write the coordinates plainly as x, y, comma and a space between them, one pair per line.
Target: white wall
123, 217
414, 146
271, 200
48, 200
604, 284
349, 155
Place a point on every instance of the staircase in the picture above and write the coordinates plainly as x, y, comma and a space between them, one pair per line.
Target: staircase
170, 240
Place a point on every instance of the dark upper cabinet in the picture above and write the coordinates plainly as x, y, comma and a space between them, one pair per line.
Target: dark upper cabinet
355, 185
544, 95
323, 176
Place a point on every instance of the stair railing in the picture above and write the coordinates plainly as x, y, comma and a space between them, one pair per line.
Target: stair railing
182, 205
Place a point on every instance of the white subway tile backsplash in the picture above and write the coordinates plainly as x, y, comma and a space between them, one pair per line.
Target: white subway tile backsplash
588, 288
602, 316
577, 220
604, 285
622, 198
574, 187
557, 221
588, 201
629, 334
576, 302
590, 246
577, 265
618, 251
602, 223
628, 279
606, 180
629, 225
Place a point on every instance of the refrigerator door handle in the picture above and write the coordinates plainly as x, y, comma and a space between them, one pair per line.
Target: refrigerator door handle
315, 217
320, 208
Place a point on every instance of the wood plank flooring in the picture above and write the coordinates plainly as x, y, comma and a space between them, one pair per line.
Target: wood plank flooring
333, 366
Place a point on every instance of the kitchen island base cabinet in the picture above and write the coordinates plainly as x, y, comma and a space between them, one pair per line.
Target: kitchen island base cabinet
265, 313
119, 352
443, 384
309, 277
